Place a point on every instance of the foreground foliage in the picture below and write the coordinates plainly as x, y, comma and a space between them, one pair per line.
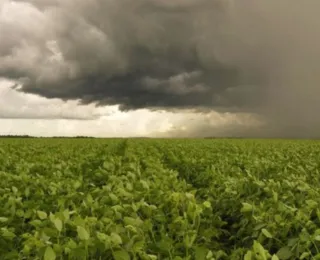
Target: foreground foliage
159, 199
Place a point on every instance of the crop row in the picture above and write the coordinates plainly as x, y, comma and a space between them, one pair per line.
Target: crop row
159, 199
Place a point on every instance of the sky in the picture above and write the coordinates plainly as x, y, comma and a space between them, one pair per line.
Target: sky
179, 68
29, 114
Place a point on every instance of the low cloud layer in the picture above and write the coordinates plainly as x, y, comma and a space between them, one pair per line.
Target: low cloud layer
17, 105
28, 114
255, 57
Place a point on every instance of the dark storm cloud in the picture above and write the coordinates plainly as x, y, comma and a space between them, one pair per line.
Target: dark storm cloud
113, 52
260, 57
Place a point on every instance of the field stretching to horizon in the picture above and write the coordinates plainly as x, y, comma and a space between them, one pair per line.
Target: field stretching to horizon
153, 199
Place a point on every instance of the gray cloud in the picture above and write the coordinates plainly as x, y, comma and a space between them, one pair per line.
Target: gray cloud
259, 57
213, 124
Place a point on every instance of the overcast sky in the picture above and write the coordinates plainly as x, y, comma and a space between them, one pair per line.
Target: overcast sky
160, 68
22, 113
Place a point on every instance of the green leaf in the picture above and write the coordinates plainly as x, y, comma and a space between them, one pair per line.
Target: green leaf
138, 246
58, 224
42, 215
72, 244
102, 236
82, 233
292, 242
246, 207
312, 203
131, 228
200, 253
258, 248
259, 226
207, 204
132, 221
27, 192
7, 234
113, 197
79, 221
304, 255
49, 254
13, 255
164, 245
116, 239
77, 185
121, 255
221, 254
275, 257
209, 255
277, 218
266, 233
284, 253
20, 213
3, 219
36, 223
189, 239
275, 196
66, 215
248, 256
52, 217
145, 185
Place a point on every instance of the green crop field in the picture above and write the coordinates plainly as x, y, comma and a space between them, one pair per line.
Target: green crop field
159, 199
